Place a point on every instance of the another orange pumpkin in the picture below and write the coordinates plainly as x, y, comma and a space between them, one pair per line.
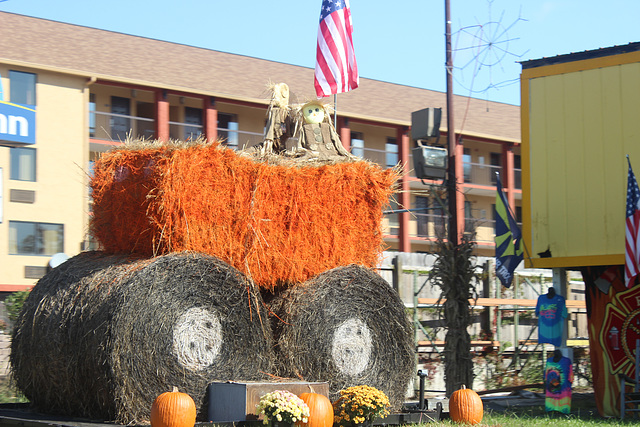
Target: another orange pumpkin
173, 409
320, 410
465, 406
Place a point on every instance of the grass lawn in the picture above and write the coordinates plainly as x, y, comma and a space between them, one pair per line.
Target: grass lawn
532, 414
514, 413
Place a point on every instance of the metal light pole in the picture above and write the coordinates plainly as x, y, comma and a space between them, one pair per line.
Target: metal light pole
451, 138
456, 275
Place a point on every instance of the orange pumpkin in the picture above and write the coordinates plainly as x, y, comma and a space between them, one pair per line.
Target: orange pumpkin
173, 409
465, 406
320, 410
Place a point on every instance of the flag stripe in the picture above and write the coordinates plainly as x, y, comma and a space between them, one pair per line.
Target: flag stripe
332, 54
336, 69
335, 25
324, 83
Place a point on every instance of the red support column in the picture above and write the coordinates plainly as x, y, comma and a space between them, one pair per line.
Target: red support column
210, 118
345, 133
404, 198
162, 116
509, 181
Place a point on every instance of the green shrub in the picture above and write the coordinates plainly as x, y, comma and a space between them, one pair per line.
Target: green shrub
14, 303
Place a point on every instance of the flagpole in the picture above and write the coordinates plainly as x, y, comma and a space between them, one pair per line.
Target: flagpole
335, 110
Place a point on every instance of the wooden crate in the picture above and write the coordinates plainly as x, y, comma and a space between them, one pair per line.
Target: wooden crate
236, 401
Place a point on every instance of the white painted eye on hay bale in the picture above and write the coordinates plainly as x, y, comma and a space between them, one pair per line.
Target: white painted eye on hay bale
197, 337
351, 348
121, 331
346, 326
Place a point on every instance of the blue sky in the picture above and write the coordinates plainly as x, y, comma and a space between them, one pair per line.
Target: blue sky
398, 41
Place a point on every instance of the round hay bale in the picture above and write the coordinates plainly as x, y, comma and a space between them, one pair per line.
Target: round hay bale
102, 336
346, 326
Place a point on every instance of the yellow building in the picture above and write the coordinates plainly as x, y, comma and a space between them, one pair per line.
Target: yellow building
579, 124
82, 91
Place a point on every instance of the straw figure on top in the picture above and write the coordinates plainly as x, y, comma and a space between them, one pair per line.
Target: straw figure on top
279, 123
317, 137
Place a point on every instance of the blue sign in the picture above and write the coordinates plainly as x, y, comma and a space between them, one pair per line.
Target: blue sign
17, 123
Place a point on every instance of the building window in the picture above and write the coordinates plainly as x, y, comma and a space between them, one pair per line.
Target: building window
228, 129
466, 164
22, 87
145, 121
92, 115
120, 118
391, 152
517, 172
357, 144
193, 121
496, 166
469, 221
422, 216
394, 219
35, 238
23, 164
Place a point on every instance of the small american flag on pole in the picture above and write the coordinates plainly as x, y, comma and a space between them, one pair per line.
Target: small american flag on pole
336, 68
632, 240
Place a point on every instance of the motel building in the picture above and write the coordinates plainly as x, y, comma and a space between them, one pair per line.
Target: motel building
70, 93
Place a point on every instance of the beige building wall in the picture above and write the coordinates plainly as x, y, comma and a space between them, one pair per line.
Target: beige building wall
61, 171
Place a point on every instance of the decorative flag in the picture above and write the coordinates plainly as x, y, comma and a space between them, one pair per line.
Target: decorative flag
632, 243
509, 250
336, 69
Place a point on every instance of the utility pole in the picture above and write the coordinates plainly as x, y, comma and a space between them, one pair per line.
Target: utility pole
451, 137
457, 275
456, 171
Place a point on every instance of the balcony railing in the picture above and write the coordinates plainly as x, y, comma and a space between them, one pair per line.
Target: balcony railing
184, 131
481, 174
238, 139
432, 226
474, 173
118, 127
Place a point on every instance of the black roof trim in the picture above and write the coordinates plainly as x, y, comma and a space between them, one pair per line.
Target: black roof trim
579, 56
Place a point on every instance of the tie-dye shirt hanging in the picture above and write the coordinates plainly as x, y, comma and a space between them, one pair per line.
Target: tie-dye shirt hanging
558, 377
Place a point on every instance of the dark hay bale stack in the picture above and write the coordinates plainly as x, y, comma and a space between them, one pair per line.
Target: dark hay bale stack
346, 326
101, 336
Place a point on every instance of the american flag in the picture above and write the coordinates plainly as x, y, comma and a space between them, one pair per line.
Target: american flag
632, 240
336, 68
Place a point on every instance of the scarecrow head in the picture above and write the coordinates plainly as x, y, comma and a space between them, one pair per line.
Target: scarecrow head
313, 112
279, 94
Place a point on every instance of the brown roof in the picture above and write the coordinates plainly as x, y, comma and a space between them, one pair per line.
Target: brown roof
580, 56
120, 57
